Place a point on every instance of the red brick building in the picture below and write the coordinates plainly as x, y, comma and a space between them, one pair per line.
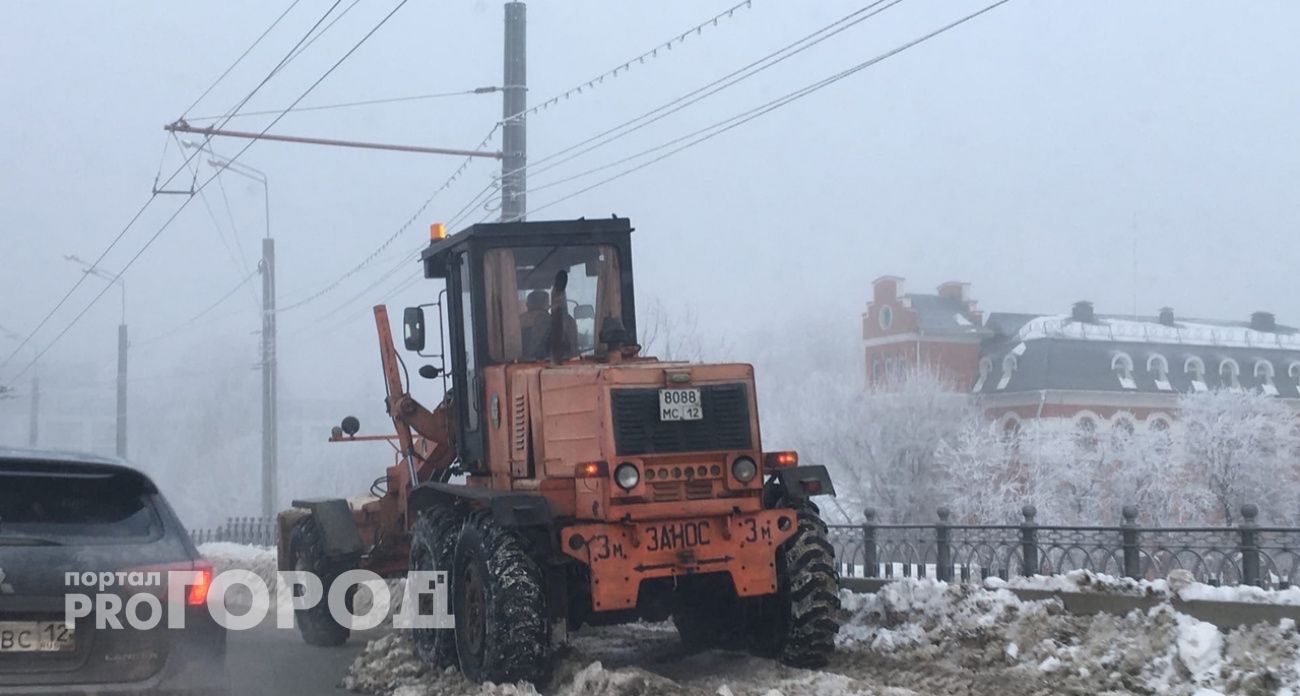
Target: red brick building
1077, 365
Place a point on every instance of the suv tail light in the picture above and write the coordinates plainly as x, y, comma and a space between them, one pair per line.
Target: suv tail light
196, 594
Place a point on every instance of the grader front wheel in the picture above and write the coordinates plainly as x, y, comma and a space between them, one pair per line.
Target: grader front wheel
500, 605
797, 625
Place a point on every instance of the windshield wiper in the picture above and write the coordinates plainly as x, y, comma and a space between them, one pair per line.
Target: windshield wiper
24, 540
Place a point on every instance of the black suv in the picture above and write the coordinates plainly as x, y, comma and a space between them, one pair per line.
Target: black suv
68, 523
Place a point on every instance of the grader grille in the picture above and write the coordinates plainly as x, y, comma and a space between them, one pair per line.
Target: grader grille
725, 425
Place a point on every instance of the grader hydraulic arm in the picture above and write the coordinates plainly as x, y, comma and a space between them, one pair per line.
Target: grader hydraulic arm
424, 437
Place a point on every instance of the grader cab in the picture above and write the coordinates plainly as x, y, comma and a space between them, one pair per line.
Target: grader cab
565, 479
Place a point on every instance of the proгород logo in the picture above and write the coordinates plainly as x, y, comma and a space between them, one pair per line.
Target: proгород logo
145, 599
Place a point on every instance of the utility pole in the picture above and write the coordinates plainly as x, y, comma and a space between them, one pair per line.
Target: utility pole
514, 131
34, 402
270, 396
269, 426
123, 344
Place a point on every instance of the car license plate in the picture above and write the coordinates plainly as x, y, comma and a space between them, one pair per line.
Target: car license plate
36, 636
680, 405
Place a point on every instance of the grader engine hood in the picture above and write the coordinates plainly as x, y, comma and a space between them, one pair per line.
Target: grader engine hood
653, 440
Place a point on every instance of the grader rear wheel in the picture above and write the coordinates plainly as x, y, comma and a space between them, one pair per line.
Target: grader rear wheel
316, 624
433, 548
500, 605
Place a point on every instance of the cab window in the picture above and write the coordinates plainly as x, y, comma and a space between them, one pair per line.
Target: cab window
546, 298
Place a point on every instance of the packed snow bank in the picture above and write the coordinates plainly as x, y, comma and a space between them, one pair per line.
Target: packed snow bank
957, 628
227, 556
635, 660
262, 561
1180, 584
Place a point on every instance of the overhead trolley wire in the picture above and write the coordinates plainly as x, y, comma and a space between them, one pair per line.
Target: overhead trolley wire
140, 212
241, 57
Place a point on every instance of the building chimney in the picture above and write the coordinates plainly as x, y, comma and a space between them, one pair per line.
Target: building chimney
1167, 316
1263, 321
956, 291
1082, 312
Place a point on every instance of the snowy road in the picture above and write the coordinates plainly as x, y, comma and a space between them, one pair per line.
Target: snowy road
911, 637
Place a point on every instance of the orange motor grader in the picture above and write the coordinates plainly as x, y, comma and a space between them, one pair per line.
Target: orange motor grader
564, 479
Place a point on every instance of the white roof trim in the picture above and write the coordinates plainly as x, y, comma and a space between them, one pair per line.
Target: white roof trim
1137, 331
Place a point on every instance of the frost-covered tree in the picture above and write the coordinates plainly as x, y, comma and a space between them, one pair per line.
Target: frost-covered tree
1240, 447
675, 334
904, 425
984, 480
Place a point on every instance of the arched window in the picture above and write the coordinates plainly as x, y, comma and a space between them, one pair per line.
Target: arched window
1195, 369
1122, 366
1159, 369
1229, 374
1293, 371
1264, 375
1008, 369
986, 366
877, 371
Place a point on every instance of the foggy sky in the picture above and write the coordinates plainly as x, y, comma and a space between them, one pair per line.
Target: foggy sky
1047, 152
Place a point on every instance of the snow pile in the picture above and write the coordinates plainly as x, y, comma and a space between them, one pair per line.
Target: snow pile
963, 633
1180, 584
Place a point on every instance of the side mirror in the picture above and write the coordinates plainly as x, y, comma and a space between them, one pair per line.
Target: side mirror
584, 311
413, 328
429, 372
350, 426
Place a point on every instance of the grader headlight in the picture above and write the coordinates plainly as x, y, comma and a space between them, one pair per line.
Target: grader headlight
744, 469
627, 476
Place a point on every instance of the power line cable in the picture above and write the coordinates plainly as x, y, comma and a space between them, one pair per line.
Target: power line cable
313, 39
627, 65
455, 175
154, 195
747, 116
241, 57
613, 72
755, 67
208, 181
367, 102
189, 322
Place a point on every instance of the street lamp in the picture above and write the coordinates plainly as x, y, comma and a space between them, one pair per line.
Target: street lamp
270, 420
33, 423
122, 345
